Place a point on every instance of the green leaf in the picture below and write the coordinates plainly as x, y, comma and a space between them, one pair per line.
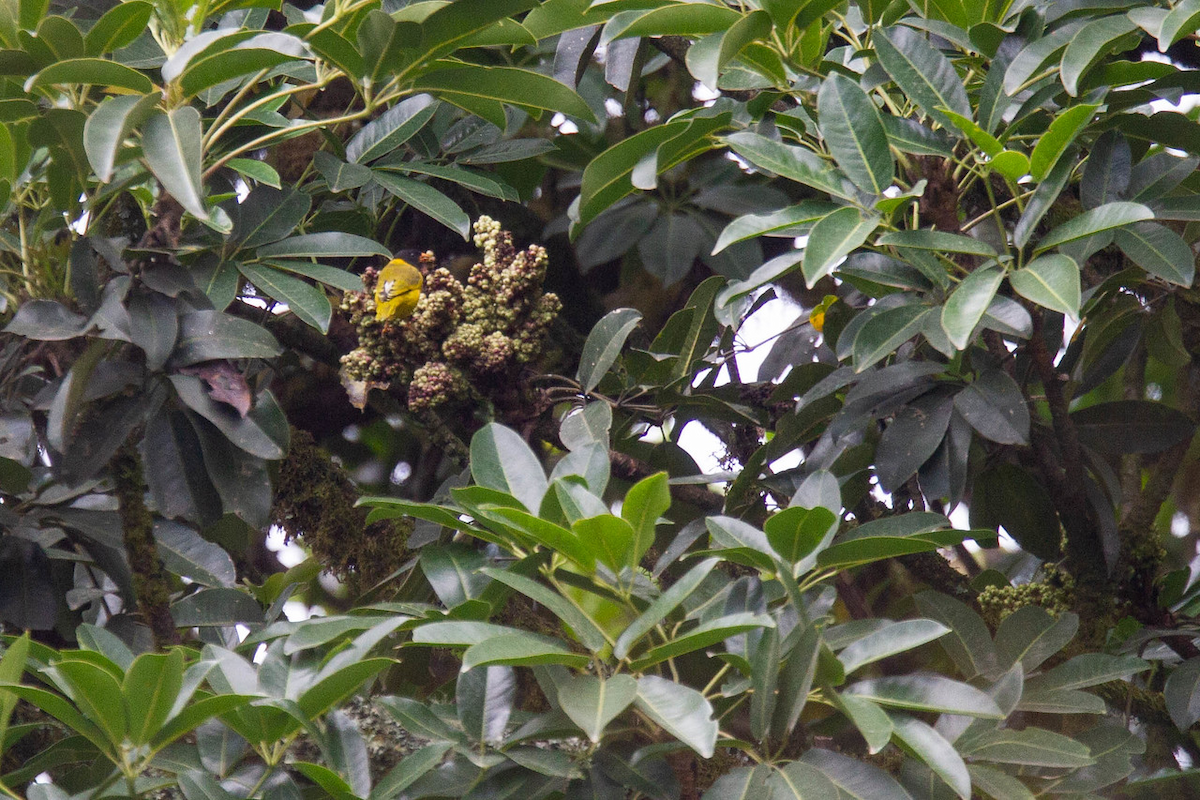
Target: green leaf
390, 129
791, 221
604, 344
97, 693
520, 648
1089, 669
268, 215
427, 200
263, 51
610, 538
741, 783
476, 181
934, 750
892, 638
244, 432
680, 711
330, 276
833, 238
928, 693
662, 606
12, 666
857, 780
91, 72
412, 767
518, 87
547, 534
923, 74
1158, 250
854, 134
994, 405
969, 643
327, 243
1058, 137
592, 702
801, 781
938, 241
219, 607
1011, 164
1052, 281
118, 27
306, 301
1031, 635
983, 140
1044, 197
1103, 218
171, 143
706, 60
1033, 747
670, 20
1107, 171
913, 437
154, 326
485, 701
704, 635
1180, 20
872, 721
966, 306
581, 625
255, 170
1131, 426
645, 502
885, 331
1092, 42
995, 783
794, 533
213, 335
1036, 55
450, 26
795, 682
501, 460
188, 554
789, 161
150, 688
1008, 496
1182, 694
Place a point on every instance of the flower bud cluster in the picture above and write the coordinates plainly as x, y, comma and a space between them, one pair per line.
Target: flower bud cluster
460, 339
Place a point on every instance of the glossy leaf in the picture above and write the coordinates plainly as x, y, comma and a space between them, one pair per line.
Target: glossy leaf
604, 344
306, 301
896, 637
966, 306
172, 147
833, 238
592, 703
1052, 281
663, 605
681, 711
1058, 137
1105, 218
853, 132
501, 460
922, 72
1158, 250
1089, 45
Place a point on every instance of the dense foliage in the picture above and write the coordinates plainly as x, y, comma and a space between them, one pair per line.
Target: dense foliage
984, 213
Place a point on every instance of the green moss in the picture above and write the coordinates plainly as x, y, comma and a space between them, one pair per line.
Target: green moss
314, 503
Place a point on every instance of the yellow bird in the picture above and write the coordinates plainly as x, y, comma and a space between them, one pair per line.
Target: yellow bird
397, 291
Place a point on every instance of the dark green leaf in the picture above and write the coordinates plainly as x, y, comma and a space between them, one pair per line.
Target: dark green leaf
427, 200
485, 701
911, 439
1052, 281
854, 134
925, 75
833, 238
306, 301
966, 306
213, 335
994, 406
1131, 426
1158, 250
328, 243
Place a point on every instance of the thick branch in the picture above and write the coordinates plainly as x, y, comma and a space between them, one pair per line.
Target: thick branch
150, 583
1066, 475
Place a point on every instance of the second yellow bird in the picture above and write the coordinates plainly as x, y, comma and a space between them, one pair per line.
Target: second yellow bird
398, 290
